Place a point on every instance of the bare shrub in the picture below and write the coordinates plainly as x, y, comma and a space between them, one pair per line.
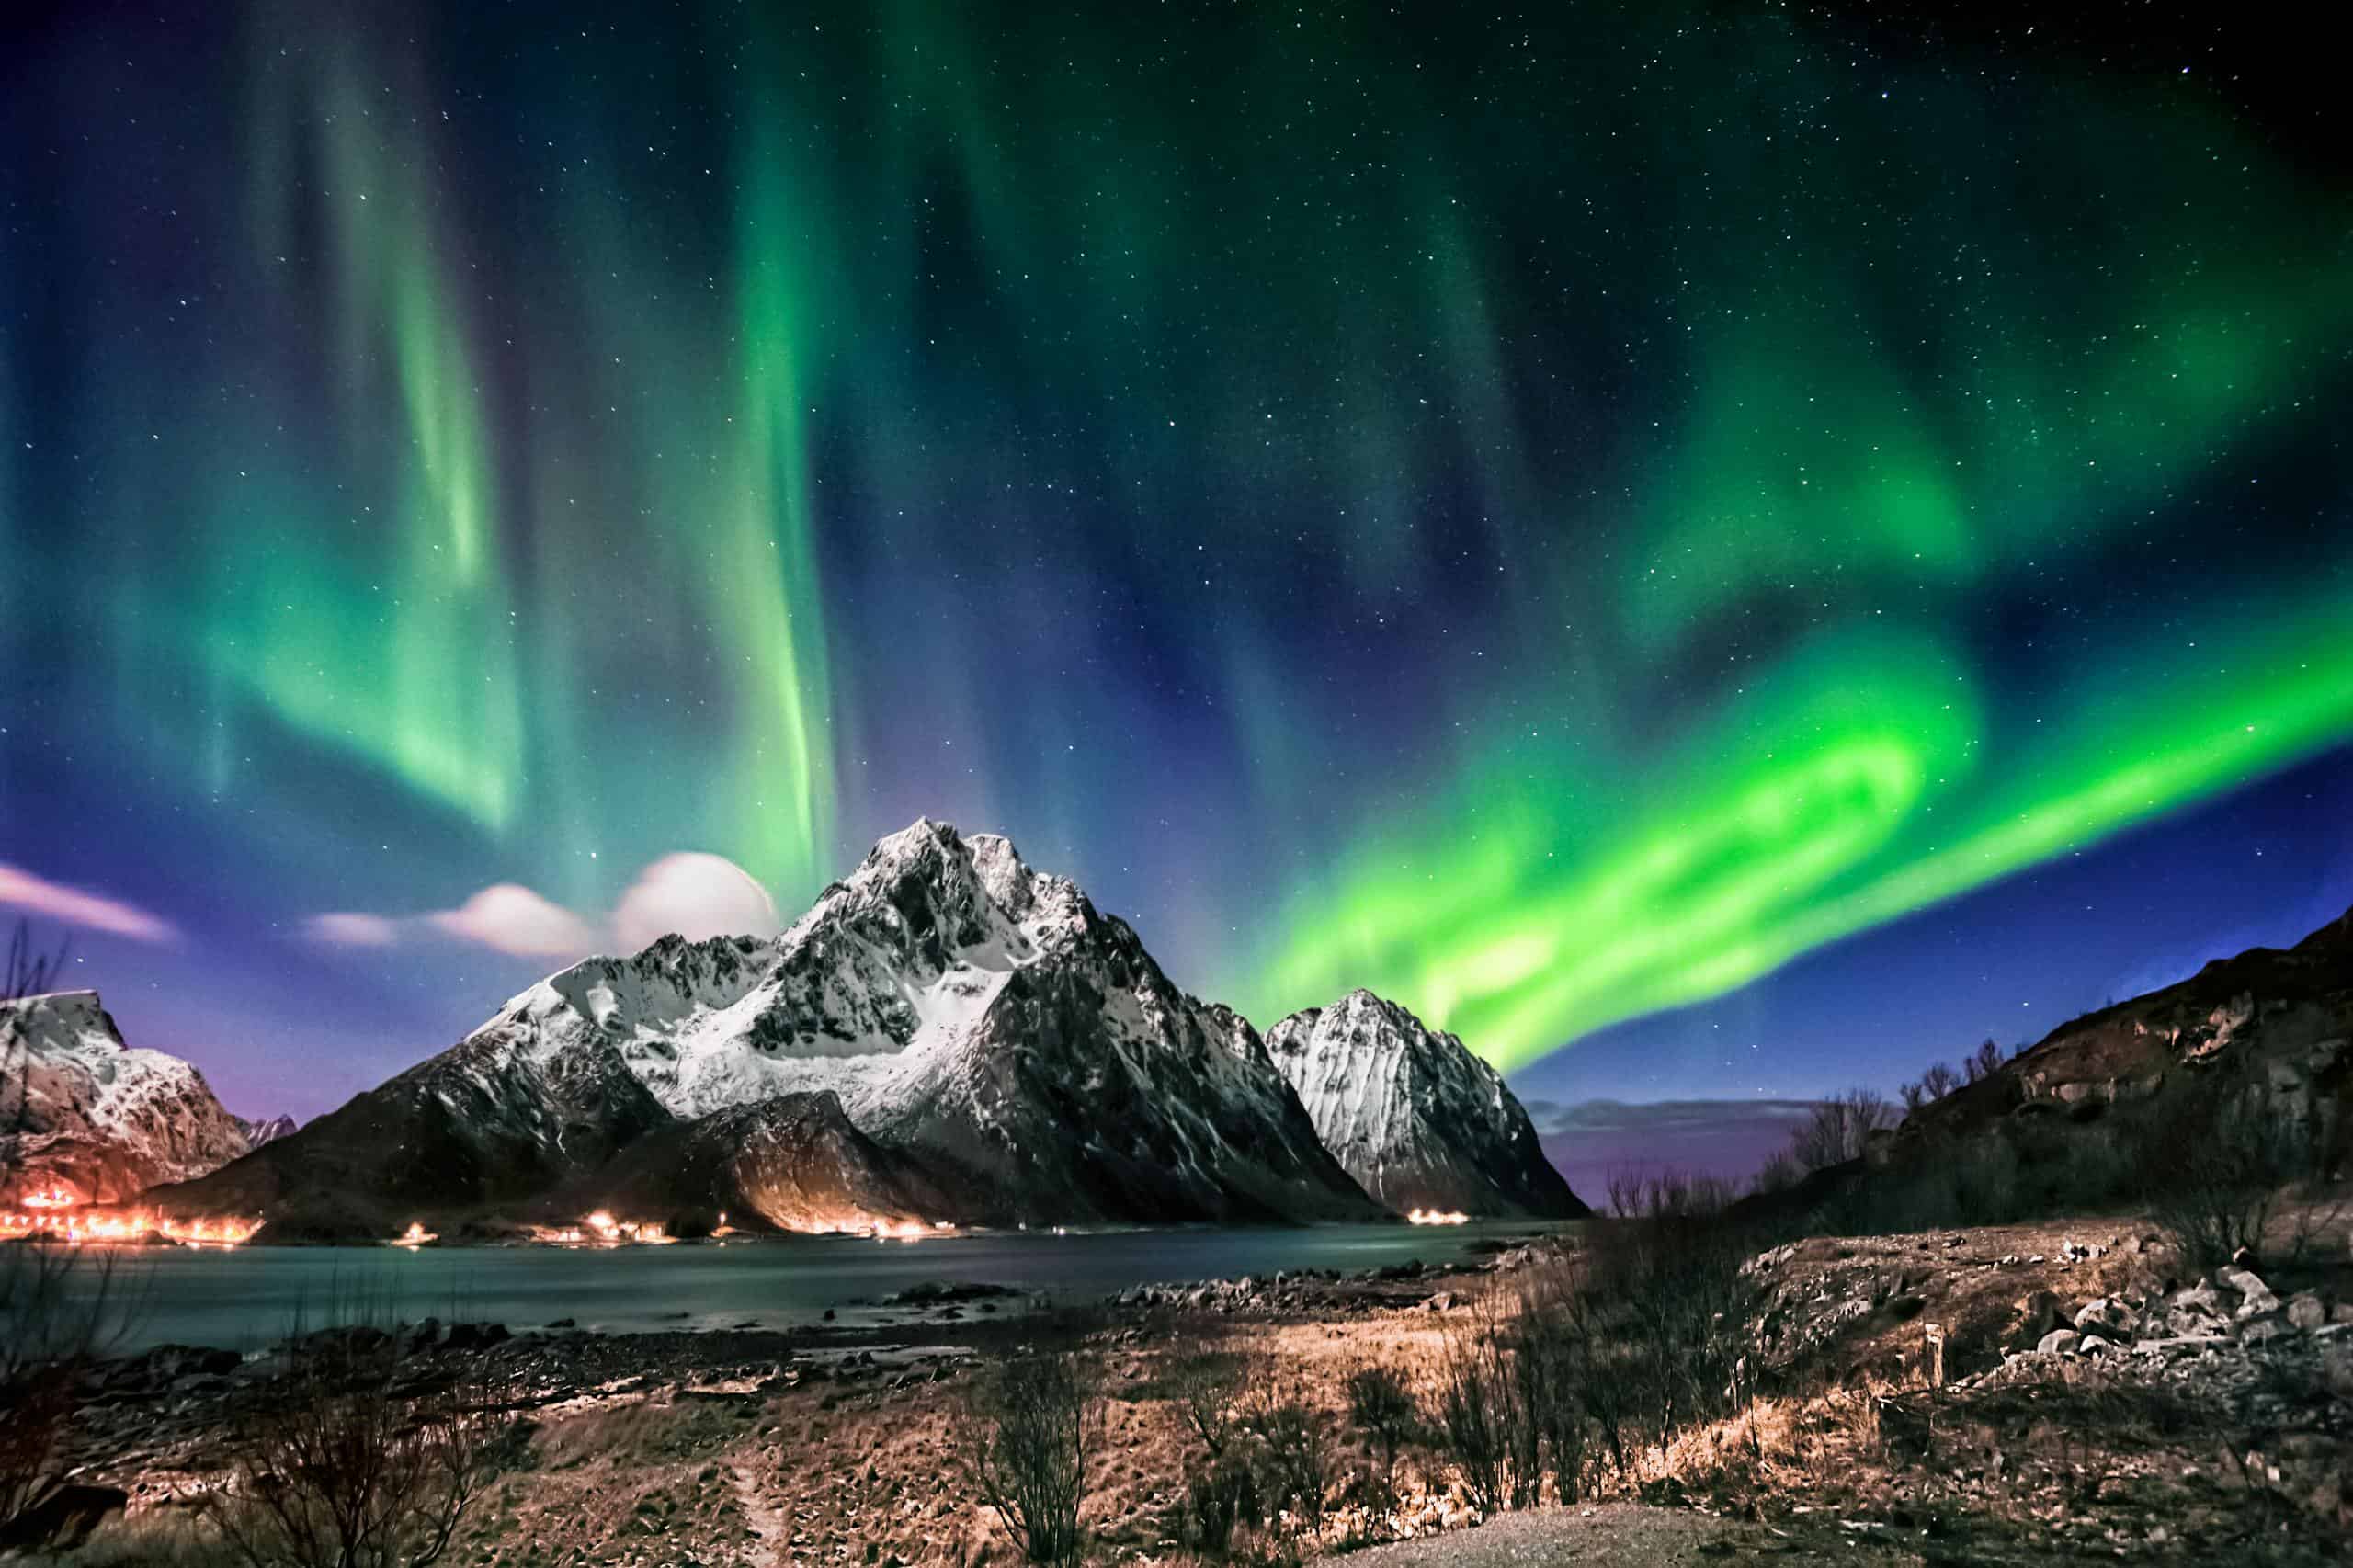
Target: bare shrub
1219, 1499
1206, 1384
1511, 1408
1474, 1414
1548, 1368
2221, 1185
1029, 1427
1296, 1458
358, 1457
1654, 1332
1382, 1410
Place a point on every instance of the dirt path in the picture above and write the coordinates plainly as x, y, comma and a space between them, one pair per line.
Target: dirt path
1625, 1535
763, 1520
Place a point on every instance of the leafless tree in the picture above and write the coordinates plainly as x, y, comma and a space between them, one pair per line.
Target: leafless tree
356, 1458
1983, 1062
1840, 1127
1940, 1080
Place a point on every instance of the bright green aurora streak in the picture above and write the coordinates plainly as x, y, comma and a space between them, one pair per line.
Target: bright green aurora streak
1573, 517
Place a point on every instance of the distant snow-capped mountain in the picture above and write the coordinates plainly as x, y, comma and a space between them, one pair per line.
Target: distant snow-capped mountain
1413, 1114
81, 1113
977, 1021
265, 1130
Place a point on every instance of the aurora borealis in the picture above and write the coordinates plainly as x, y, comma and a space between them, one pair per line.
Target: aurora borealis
1558, 517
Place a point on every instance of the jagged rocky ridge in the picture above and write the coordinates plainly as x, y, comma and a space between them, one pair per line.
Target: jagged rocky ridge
1001, 1050
1413, 1114
81, 1113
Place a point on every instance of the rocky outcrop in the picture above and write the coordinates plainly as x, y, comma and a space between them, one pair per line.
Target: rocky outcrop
2272, 1028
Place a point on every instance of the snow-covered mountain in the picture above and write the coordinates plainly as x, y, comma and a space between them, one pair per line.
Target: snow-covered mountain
1413, 1114
81, 1113
259, 1131
973, 1016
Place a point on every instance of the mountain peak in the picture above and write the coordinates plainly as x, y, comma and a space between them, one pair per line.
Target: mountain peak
919, 840
57, 1019
96, 1117
1412, 1114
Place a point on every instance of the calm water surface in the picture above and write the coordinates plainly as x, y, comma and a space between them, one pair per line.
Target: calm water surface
250, 1297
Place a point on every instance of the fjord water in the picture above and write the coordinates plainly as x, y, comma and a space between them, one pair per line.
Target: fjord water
247, 1298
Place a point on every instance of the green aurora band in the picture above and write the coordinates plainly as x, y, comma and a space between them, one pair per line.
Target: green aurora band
1737, 386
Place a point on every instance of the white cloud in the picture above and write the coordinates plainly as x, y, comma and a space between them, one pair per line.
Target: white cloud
511, 918
696, 896
22, 889
351, 929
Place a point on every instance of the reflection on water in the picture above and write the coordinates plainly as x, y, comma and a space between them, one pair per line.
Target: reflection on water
248, 1297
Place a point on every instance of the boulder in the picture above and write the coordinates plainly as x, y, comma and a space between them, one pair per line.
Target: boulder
2262, 1331
2059, 1342
2304, 1311
2110, 1315
2255, 1298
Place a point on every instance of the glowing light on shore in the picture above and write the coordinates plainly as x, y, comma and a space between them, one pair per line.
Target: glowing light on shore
1438, 1217
60, 1223
415, 1236
903, 1230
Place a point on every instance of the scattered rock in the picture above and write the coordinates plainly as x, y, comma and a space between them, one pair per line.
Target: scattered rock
944, 1292
2059, 1342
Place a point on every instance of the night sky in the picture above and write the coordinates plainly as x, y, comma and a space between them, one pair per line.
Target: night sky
1717, 550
